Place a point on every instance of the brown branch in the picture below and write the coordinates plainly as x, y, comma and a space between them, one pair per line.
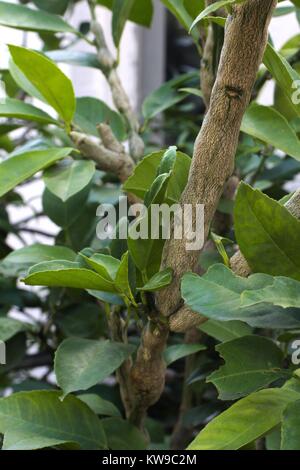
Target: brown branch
148, 372
212, 165
119, 95
111, 158
119, 334
246, 35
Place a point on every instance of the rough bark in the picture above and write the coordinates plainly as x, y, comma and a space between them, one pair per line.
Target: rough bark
213, 162
106, 155
246, 35
108, 66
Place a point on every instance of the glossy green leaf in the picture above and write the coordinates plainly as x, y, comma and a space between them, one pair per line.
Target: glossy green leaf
100, 406
245, 421
123, 276
39, 419
121, 12
82, 363
80, 58
225, 331
194, 7
251, 363
52, 6
83, 320
19, 261
212, 8
21, 17
167, 95
141, 12
284, 292
177, 7
105, 265
178, 351
145, 173
66, 214
107, 297
122, 435
218, 295
10, 327
146, 251
23, 83
268, 235
66, 179
158, 281
283, 73
280, 134
90, 112
290, 434
12, 108
66, 274
48, 79
15, 170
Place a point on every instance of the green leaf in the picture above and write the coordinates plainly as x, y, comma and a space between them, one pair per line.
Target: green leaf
218, 295
90, 112
141, 12
23, 83
83, 320
178, 351
290, 434
10, 327
21, 17
53, 6
166, 96
66, 214
194, 7
158, 281
100, 406
211, 9
12, 108
225, 331
80, 58
245, 421
122, 435
284, 292
121, 12
268, 235
39, 419
123, 276
145, 251
66, 274
192, 91
81, 363
68, 178
280, 134
105, 265
107, 297
19, 261
15, 170
145, 173
283, 73
251, 363
177, 7
48, 79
